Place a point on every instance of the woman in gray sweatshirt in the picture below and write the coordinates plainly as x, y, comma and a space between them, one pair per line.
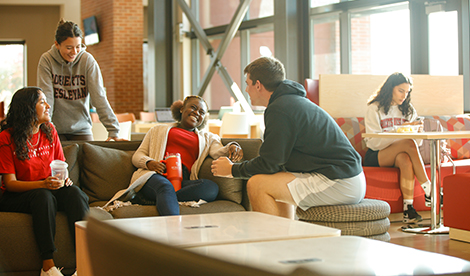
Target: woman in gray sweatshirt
70, 77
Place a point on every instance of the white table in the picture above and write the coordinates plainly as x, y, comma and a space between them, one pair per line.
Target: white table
435, 164
206, 230
345, 255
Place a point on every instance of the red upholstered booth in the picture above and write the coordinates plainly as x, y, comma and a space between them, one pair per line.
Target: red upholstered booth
457, 206
312, 87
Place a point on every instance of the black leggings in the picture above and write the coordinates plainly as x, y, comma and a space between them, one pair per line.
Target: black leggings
43, 205
371, 159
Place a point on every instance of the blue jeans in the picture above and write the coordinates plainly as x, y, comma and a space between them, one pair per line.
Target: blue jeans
159, 189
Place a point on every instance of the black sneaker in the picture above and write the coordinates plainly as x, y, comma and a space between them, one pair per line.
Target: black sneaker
411, 216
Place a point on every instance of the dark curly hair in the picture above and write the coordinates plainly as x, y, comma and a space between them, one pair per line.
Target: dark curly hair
66, 29
21, 118
384, 94
177, 105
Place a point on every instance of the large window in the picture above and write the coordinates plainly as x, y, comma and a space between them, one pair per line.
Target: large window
385, 36
12, 70
251, 41
443, 44
378, 46
324, 45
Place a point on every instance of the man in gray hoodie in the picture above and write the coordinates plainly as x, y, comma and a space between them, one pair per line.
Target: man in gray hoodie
305, 159
70, 77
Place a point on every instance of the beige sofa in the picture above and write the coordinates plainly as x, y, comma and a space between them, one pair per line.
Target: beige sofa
101, 169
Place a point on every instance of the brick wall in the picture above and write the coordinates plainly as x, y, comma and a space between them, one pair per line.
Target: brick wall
119, 52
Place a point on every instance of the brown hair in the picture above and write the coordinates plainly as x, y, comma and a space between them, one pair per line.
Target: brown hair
268, 70
66, 29
384, 94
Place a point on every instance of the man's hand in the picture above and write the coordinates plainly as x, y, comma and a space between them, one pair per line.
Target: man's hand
235, 152
222, 167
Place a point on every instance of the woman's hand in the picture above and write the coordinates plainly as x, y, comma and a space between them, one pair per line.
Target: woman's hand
419, 123
53, 183
68, 182
156, 166
235, 152
115, 139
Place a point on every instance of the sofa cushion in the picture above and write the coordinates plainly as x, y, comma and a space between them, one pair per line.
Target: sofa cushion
353, 127
104, 171
229, 188
71, 157
218, 206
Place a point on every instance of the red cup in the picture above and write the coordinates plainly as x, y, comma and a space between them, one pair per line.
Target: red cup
174, 169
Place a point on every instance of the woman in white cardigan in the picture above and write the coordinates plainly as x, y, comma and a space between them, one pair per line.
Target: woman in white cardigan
187, 138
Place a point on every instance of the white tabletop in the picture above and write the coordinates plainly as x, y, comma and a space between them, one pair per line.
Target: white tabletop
219, 228
420, 135
345, 255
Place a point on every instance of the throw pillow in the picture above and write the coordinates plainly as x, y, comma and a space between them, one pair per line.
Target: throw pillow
459, 148
229, 188
71, 155
104, 171
353, 128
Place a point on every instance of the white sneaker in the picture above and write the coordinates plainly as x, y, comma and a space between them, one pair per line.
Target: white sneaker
427, 193
51, 272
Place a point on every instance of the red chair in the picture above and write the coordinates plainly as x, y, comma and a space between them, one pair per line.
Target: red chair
147, 116
313, 93
457, 206
125, 117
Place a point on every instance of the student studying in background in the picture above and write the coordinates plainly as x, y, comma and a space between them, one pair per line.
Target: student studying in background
70, 77
388, 107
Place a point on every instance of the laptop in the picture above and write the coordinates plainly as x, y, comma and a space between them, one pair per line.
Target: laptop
163, 115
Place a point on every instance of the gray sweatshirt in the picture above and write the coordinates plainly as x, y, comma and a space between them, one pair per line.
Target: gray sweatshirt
69, 86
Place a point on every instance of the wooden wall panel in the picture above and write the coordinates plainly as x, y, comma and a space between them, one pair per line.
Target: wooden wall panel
347, 95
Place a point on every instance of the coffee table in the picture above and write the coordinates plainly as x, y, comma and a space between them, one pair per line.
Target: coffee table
345, 255
207, 230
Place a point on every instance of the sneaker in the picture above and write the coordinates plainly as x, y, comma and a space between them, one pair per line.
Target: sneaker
411, 216
427, 193
51, 272
427, 200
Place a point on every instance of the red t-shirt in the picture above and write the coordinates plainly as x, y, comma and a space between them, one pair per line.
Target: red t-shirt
37, 167
184, 142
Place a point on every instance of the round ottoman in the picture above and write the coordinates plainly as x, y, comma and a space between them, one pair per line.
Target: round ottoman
369, 218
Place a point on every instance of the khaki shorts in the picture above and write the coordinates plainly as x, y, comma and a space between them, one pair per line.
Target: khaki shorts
314, 189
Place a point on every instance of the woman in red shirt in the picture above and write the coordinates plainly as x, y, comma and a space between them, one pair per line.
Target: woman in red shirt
28, 144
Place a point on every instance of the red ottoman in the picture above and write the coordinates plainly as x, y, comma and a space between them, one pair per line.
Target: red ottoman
457, 206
